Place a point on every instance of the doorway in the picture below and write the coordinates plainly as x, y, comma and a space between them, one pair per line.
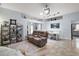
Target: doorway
74, 30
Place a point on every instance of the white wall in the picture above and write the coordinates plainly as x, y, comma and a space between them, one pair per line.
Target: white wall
64, 30
65, 25
49, 29
75, 17
6, 14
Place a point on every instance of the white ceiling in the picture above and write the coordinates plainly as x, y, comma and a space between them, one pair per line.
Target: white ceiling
34, 9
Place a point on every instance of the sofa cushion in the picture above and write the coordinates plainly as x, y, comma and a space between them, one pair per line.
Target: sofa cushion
37, 38
43, 37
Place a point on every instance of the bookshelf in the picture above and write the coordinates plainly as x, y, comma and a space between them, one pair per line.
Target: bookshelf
11, 32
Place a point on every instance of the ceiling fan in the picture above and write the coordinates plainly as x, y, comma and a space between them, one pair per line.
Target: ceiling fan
47, 11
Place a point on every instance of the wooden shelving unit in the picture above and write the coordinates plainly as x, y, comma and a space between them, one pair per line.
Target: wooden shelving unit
12, 30
5, 34
11, 33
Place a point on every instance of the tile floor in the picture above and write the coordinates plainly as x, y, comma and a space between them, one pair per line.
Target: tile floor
52, 48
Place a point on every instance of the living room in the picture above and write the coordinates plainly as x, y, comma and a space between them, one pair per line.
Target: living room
44, 32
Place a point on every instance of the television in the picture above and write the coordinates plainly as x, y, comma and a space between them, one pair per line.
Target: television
55, 25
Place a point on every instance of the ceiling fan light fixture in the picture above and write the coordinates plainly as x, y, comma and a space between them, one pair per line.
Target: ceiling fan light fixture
45, 11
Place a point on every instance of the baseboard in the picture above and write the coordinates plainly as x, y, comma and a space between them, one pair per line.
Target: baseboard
65, 39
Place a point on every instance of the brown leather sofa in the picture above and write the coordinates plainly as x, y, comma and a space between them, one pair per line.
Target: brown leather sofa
38, 38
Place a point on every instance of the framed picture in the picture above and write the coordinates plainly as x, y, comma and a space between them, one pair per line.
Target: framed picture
12, 21
55, 25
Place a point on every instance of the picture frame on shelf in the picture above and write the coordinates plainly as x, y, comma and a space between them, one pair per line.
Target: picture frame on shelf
13, 22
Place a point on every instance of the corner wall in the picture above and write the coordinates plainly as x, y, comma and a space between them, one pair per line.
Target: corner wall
6, 14
65, 25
